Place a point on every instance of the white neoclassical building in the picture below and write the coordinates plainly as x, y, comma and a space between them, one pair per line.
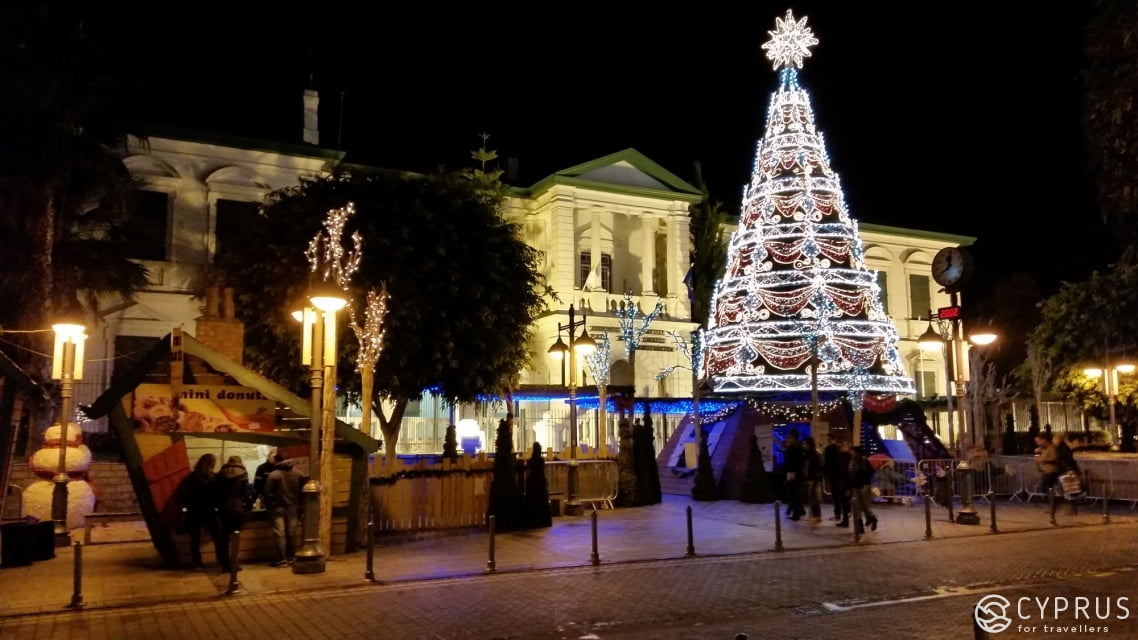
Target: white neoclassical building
613, 226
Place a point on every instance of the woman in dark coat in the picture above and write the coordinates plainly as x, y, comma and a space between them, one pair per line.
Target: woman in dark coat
198, 501
232, 491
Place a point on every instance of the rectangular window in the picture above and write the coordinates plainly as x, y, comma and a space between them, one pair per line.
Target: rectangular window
583, 270
147, 230
234, 218
927, 382
920, 301
883, 285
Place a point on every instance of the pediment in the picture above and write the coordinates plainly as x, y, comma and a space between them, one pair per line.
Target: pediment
624, 173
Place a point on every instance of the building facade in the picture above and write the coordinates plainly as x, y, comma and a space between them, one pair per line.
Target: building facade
612, 230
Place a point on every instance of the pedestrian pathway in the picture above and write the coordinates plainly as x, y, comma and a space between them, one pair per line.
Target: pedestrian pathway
129, 573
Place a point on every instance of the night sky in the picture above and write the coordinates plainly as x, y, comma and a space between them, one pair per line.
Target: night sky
960, 117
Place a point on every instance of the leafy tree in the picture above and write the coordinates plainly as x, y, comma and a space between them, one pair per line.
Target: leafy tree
1111, 115
460, 310
756, 486
538, 513
505, 501
64, 192
709, 249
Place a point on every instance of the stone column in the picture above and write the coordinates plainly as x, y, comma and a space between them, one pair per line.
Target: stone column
595, 248
648, 255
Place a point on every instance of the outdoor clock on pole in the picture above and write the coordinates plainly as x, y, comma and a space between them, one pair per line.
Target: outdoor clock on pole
951, 267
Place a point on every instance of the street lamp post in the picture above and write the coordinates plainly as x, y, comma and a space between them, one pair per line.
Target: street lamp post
954, 345
582, 345
318, 352
66, 366
1109, 376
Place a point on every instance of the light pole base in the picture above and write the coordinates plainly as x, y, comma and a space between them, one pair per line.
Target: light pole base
574, 508
967, 515
308, 564
59, 511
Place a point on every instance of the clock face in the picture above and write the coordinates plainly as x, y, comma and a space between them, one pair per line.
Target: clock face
948, 266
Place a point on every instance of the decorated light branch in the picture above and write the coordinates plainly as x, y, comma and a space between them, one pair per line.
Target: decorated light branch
370, 337
326, 252
629, 332
796, 287
600, 365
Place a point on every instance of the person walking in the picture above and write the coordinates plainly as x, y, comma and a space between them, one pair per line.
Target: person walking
282, 496
835, 468
233, 498
199, 507
861, 490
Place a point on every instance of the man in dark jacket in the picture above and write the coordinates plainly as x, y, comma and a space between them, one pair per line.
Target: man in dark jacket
792, 466
261, 474
836, 467
282, 495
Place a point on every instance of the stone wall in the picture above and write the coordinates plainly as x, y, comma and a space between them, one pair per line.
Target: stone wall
113, 489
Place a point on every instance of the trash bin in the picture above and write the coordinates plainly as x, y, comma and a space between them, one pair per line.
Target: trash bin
16, 541
43, 540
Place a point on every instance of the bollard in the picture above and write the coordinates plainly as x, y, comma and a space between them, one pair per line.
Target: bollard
77, 593
1051, 503
691, 538
595, 559
234, 552
951, 490
855, 507
490, 564
369, 574
1105, 502
992, 506
777, 526
928, 518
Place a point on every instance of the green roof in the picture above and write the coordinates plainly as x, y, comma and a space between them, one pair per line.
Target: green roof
675, 187
917, 233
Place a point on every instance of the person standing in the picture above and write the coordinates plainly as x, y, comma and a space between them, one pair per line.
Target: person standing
232, 503
261, 474
792, 457
282, 496
812, 479
199, 507
835, 469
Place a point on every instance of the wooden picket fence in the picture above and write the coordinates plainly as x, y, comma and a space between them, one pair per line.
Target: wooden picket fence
427, 494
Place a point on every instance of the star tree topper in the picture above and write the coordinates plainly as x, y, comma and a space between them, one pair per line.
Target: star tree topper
790, 42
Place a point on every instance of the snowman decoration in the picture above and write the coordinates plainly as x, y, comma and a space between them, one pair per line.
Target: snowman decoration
45, 465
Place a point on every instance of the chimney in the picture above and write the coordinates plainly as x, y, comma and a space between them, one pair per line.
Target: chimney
222, 332
311, 109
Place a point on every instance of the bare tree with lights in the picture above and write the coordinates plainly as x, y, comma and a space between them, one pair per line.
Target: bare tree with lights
370, 337
600, 365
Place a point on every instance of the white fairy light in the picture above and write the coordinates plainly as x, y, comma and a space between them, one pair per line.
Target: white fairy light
370, 335
326, 253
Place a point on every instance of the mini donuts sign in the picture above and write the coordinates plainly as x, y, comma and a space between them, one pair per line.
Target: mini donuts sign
200, 408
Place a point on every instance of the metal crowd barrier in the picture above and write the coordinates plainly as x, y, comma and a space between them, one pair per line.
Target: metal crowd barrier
1019, 480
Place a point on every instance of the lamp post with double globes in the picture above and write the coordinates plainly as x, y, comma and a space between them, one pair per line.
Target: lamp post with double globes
318, 352
579, 346
66, 366
955, 350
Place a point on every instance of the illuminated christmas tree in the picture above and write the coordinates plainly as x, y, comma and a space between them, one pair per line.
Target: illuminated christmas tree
796, 290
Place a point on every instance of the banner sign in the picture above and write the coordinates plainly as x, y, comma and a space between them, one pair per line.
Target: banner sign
201, 408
